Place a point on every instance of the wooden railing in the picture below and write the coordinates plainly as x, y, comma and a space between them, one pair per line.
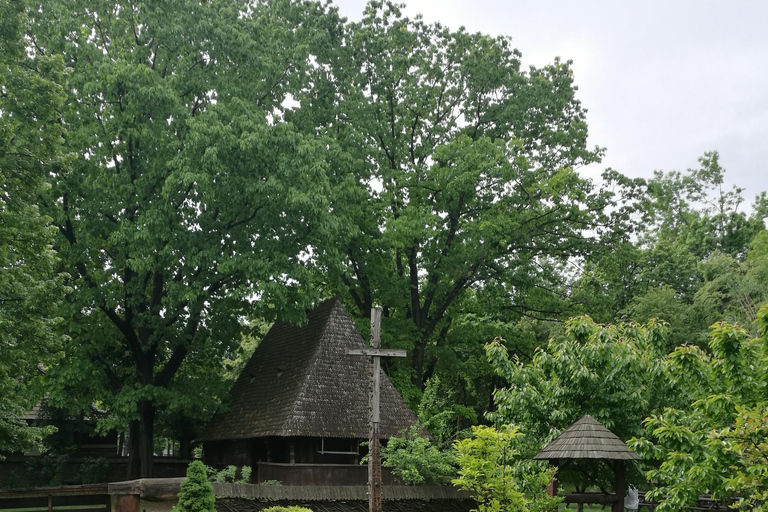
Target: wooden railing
705, 503
317, 474
72, 498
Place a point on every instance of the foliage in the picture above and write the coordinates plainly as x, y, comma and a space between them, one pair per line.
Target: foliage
189, 196
31, 94
611, 372
715, 439
93, 470
47, 470
454, 168
685, 263
501, 479
196, 493
416, 461
441, 414
229, 474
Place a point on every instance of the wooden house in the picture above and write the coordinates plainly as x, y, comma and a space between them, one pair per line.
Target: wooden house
299, 411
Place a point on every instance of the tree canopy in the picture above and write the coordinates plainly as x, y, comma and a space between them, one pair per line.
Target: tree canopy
455, 169
177, 175
31, 94
187, 196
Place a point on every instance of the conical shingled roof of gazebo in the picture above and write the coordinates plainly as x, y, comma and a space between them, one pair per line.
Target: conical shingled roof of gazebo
587, 439
301, 382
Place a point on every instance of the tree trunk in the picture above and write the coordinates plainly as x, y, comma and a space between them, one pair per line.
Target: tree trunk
417, 361
147, 437
134, 457
185, 448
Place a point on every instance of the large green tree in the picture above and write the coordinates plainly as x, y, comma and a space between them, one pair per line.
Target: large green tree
456, 168
687, 263
190, 198
31, 94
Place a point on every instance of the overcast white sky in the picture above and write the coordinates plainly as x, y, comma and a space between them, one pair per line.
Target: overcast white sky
663, 81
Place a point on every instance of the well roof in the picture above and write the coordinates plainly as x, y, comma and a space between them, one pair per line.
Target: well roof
301, 382
587, 439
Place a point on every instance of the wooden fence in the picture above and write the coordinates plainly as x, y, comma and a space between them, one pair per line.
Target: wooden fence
129, 496
72, 498
706, 503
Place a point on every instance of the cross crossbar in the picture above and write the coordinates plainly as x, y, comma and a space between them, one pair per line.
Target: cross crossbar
377, 352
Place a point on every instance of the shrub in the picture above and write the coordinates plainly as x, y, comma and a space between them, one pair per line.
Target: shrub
416, 461
229, 474
47, 469
93, 470
491, 468
196, 493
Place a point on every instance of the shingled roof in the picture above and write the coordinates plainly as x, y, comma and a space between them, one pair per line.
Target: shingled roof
301, 382
587, 439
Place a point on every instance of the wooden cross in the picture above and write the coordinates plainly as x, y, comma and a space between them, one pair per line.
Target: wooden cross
375, 352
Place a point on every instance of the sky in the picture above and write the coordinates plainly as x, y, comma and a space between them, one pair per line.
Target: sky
663, 81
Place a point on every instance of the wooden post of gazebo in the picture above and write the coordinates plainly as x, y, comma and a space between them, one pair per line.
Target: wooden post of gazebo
620, 485
589, 439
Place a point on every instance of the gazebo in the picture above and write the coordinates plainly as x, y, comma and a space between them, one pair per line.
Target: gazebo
589, 439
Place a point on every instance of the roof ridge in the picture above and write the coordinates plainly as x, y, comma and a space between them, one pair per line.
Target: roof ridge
313, 360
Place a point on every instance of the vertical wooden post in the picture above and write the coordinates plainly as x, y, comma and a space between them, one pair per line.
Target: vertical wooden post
619, 486
375, 353
126, 502
374, 455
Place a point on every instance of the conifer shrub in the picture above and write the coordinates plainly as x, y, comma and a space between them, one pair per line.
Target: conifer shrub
196, 493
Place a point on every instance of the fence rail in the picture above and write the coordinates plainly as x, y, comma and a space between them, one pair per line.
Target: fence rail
705, 503
72, 498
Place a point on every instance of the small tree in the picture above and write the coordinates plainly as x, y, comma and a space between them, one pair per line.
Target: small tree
491, 468
196, 493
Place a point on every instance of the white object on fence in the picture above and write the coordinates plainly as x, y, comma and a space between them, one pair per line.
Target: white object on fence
631, 502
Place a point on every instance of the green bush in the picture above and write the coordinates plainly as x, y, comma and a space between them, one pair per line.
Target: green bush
229, 474
416, 461
491, 468
93, 470
196, 493
47, 469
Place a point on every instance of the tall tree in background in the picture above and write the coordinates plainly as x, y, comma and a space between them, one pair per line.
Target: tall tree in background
30, 146
457, 169
694, 261
189, 195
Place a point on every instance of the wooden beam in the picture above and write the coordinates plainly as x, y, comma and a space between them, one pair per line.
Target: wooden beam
377, 352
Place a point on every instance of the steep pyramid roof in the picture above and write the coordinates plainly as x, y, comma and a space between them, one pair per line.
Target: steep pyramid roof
587, 439
301, 382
